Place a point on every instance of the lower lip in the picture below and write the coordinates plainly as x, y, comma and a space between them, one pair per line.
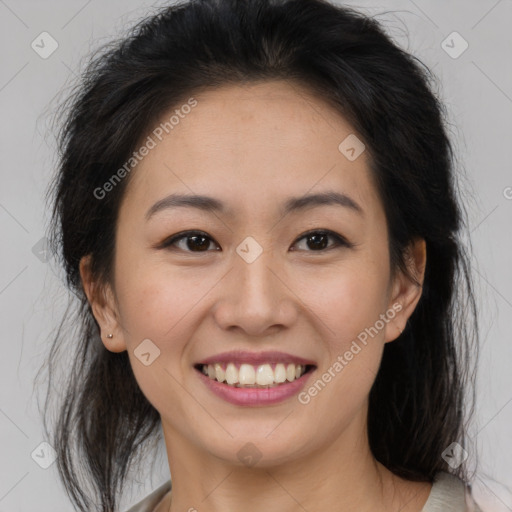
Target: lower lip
255, 396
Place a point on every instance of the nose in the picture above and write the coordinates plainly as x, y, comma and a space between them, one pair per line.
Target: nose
256, 298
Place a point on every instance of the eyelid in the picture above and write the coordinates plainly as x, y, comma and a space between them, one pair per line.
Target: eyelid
168, 243
340, 241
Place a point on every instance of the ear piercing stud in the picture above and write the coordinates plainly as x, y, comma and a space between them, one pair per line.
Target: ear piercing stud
110, 335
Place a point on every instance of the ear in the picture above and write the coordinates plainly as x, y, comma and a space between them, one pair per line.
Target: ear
405, 292
104, 308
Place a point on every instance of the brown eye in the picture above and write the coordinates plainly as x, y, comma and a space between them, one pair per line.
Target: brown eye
318, 241
198, 241
189, 241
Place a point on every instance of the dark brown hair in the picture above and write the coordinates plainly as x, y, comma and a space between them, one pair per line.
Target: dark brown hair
419, 403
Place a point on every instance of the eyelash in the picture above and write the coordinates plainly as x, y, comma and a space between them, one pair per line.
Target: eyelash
339, 241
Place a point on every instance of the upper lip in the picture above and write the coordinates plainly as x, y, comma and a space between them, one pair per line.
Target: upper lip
255, 358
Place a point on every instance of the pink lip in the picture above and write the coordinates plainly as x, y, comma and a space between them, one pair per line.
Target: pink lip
256, 358
255, 396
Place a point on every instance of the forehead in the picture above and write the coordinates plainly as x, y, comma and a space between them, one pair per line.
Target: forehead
251, 146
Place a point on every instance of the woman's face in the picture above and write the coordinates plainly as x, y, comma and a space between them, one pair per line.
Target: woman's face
256, 282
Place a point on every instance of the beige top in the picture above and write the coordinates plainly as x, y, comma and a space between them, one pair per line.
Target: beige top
448, 494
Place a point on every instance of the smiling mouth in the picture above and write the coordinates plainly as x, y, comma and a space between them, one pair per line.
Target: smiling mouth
268, 375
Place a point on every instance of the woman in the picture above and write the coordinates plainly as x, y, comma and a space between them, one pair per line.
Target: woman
257, 210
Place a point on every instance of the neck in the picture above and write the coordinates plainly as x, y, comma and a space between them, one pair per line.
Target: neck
342, 475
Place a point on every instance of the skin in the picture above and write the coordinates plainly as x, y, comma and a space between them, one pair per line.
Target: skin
253, 147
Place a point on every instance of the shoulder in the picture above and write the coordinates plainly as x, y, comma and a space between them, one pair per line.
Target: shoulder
450, 494
151, 500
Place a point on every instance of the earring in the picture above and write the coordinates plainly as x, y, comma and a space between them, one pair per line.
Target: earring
110, 335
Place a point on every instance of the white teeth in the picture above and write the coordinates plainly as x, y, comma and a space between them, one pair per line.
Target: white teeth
254, 376
246, 374
264, 375
290, 372
280, 373
220, 375
231, 374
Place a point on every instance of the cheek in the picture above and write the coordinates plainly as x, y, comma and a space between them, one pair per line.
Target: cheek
142, 306
153, 298
350, 307
350, 304
348, 299
355, 350
155, 308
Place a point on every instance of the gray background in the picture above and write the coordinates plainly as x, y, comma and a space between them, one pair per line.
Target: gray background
477, 90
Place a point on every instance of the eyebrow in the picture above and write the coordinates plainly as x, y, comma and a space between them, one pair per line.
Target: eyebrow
294, 204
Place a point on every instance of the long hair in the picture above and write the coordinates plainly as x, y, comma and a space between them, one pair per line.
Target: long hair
423, 395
